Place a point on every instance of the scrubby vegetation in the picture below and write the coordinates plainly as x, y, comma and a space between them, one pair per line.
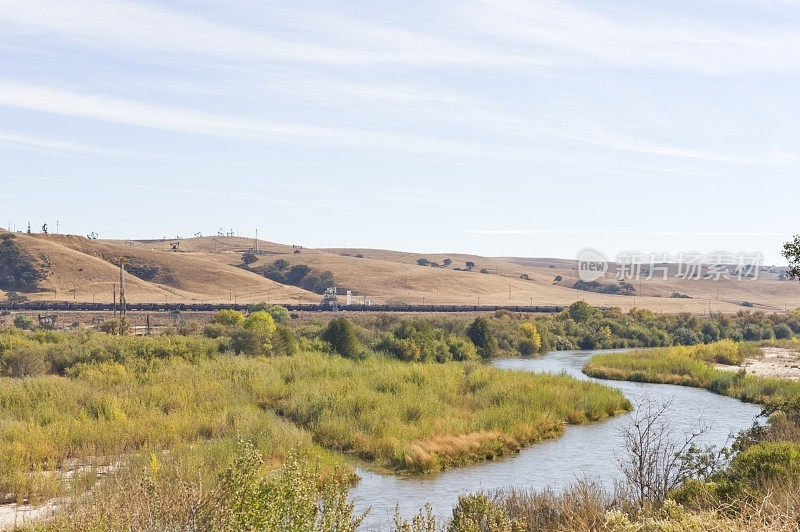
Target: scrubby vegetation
580, 326
17, 272
73, 403
180, 421
621, 288
423, 418
299, 275
696, 366
750, 486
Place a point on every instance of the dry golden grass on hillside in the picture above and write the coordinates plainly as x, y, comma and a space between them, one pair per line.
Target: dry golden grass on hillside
208, 269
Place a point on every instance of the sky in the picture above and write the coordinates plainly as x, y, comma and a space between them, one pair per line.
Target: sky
496, 127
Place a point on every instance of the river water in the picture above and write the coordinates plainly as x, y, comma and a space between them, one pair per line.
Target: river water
584, 451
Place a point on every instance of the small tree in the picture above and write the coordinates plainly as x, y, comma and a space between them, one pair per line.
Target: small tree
791, 250
296, 273
658, 458
115, 326
783, 331
532, 341
228, 317
25, 362
255, 337
279, 314
299, 497
23, 322
15, 299
447, 262
423, 262
17, 271
580, 311
342, 337
284, 342
249, 257
280, 264
481, 335
469, 264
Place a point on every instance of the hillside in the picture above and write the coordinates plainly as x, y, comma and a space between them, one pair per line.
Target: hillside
209, 269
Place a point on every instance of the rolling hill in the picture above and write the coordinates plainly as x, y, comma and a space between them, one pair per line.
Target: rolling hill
210, 270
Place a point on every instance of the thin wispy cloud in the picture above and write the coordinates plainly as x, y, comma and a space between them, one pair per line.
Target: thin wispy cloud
546, 34
173, 118
666, 43
16, 140
512, 112
141, 26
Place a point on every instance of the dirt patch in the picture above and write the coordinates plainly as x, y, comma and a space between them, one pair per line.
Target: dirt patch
13, 516
776, 362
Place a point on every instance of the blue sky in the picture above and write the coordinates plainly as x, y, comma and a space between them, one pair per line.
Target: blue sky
494, 127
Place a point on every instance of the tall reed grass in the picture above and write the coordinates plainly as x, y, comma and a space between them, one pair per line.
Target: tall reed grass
695, 366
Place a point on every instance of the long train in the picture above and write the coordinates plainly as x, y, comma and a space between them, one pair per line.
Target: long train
65, 306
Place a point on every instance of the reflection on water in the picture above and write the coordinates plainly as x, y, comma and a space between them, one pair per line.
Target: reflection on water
583, 451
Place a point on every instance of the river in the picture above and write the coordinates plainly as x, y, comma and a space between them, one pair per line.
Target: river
584, 451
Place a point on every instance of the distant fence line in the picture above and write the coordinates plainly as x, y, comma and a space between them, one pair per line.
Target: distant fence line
212, 307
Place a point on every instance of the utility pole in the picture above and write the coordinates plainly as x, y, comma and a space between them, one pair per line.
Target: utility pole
122, 301
256, 242
115, 299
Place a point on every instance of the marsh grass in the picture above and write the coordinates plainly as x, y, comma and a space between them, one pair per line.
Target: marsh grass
213, 487
428, 417
695, 366
402, 417
102, 411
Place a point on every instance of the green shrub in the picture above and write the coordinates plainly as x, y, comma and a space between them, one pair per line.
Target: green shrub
478, 513
17, 272
710, 332
115, 326
403, 349
481, 335
461, 349
580, 311
752, 333
255, 336
783, 331
24, 362
228, 318
297, 499
296, 273
284, 342
215, 330
769, 461
23, 322
341, 335
279, 313
532, 341
685, 336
